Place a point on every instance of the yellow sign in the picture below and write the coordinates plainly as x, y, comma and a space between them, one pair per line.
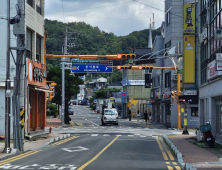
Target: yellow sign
182, 110
189, 59
189, 18
185, 121
128, 104
111, 99
134, 102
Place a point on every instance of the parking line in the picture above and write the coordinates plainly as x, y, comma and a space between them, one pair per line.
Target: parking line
169, 168
95, 157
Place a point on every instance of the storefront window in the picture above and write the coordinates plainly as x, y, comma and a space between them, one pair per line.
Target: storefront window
194, 111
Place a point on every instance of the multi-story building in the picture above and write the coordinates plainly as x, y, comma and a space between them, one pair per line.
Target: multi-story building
209, 65
165, 81
35, 72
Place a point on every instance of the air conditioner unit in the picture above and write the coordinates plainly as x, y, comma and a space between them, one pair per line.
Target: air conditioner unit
218, 34
175, 77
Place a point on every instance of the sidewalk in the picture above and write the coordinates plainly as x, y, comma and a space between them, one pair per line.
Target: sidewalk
200, 158
53, 122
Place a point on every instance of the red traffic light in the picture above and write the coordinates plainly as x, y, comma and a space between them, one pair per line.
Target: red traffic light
118, 67
119, 56
140, 67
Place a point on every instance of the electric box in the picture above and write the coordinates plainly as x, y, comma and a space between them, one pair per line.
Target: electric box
19, 28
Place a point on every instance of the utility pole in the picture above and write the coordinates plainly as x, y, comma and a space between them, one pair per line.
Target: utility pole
63, 79
185, 131
7, 86
178, 104
19, 95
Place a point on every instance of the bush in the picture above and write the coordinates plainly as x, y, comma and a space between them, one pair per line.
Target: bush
51, 109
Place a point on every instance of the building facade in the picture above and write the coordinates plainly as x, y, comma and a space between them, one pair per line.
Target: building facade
35, 69
210, 80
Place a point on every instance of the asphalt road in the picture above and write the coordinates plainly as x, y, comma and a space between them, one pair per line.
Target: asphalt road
129, 146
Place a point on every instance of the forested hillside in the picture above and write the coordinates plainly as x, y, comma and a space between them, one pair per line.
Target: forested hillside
91, 40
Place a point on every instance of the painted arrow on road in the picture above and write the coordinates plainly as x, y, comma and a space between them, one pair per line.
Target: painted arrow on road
75, 149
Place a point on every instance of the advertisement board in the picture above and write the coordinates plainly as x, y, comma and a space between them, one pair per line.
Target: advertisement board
211, 70
189, 18
189, 59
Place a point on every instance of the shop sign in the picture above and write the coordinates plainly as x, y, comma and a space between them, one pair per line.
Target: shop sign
212, 70
111, 99
166, 96
157, 94
36, 73
189, 18
219, 56
219, 66
190, 1
190, 92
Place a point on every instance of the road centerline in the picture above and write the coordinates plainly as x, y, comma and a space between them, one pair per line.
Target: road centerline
95, 157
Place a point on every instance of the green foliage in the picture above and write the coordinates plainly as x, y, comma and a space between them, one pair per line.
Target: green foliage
92, 40
105, 93
51, 109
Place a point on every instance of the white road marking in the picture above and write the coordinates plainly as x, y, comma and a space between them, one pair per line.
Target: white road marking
75, 149
94, 135
106, 135
142, 136
130, 135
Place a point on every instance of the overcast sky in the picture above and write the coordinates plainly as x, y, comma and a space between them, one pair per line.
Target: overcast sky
118, 16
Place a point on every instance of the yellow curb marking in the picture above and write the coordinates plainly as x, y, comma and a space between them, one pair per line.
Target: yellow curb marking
18, 157
167, 150
72, 124
161, 148
177, 168
65, 140
169, 168
79, 124
168, 163
95, 157
174, 163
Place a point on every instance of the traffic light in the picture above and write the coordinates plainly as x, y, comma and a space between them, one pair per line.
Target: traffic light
51, 87
146, 67
124, 67
173, 93
126, 56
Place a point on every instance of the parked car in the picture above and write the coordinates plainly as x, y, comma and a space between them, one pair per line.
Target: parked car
70, 111
109, 116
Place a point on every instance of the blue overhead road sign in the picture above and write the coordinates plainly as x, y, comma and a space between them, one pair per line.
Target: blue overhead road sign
91, 68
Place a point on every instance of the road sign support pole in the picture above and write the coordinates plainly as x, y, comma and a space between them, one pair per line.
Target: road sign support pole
185, 131
178, 105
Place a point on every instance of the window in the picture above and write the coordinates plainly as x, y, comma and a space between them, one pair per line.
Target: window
154, 82
30, 2
38, 6
158, 81
168, 80
38, 48
194, 111
29, 44
204, 61
168, 18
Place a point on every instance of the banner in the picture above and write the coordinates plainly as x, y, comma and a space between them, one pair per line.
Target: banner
189, 18
189, 59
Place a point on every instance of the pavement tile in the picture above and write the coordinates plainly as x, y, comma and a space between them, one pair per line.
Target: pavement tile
199, 157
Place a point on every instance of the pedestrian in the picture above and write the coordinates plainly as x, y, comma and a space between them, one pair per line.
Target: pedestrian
129, 115
138, 115
145, 116
150, 117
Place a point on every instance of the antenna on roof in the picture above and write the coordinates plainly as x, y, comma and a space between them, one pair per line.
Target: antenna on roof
153, 23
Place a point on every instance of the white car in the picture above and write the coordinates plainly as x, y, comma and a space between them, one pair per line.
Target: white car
110, 116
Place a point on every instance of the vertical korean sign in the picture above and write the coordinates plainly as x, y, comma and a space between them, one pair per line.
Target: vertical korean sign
189, 59
189, 18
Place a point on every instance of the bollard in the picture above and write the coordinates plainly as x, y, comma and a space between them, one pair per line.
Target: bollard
50, 130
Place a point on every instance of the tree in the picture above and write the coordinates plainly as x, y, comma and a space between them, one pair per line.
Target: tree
71, 86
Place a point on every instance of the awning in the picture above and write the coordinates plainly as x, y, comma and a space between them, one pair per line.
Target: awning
39, 88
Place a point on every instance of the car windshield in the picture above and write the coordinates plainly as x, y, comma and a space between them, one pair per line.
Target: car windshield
109, 112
